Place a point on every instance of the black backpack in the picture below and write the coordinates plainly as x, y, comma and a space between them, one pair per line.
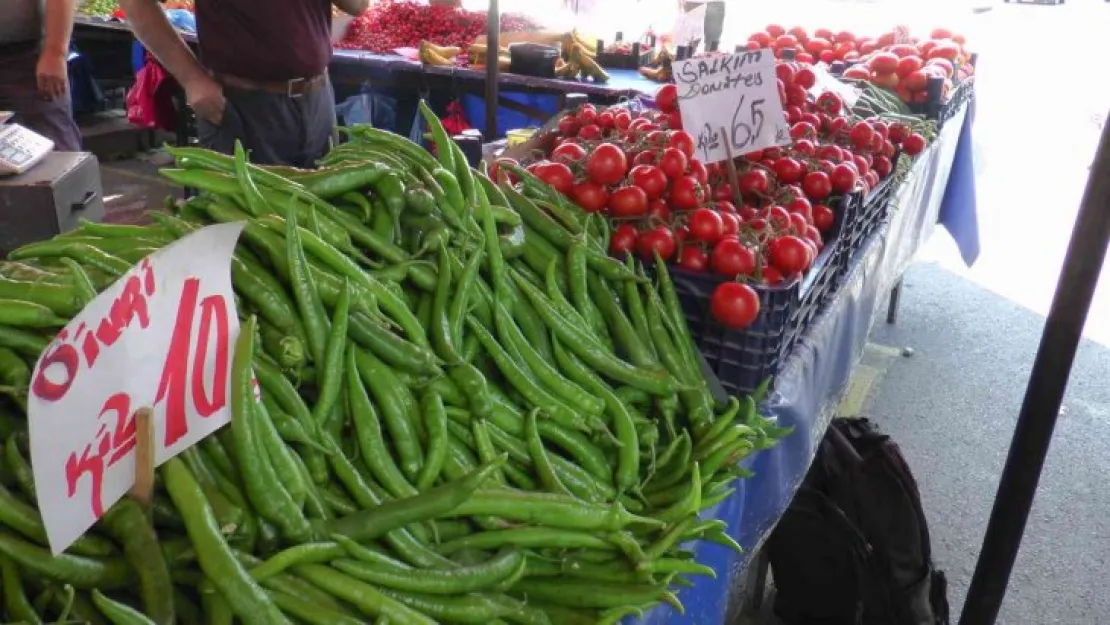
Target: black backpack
853, 547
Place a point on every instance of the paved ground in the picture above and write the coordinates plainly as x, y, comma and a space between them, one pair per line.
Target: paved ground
953, 404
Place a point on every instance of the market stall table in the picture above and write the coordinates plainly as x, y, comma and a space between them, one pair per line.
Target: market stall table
814, 378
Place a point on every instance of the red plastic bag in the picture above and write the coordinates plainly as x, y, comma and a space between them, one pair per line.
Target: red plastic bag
455, 121
150, 99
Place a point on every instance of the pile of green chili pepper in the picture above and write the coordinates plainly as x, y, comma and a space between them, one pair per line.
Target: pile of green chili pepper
469, 412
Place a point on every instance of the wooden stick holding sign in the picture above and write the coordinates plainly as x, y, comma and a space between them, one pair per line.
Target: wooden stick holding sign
143, 490
733, 176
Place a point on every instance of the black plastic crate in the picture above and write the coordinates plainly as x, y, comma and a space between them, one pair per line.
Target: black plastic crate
742, 359
873, 213
640, 56
942, 110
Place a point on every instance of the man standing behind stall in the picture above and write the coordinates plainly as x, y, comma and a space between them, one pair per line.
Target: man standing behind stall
262, 76
34, 79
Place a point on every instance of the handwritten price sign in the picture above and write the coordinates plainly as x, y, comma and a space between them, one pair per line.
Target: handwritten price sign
730, 102
161, 338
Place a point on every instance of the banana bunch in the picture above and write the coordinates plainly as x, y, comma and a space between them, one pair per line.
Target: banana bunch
478, 54
660, 68
580, 61
431, 54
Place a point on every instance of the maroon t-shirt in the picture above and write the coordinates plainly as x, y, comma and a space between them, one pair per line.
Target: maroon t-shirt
265, 39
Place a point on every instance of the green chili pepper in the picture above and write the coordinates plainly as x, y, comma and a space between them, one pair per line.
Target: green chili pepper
398, 409
444, 153
331, 367
305, 292
17, 605
366, 598
78, 571
369, 524
60, 298
120, 613
335, 182
504, 567
435, 418
245, 597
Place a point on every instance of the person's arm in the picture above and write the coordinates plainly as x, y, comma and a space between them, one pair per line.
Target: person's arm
51, 73
352, 7
153, 29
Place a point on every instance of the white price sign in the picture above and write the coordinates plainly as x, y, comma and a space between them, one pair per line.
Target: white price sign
731, 102
161, 337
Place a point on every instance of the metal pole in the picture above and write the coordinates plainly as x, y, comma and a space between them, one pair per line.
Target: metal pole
493, 55
1043, 395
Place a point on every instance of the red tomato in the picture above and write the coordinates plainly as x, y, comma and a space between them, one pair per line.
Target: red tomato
649, 178
568, 125
817, 185
805, 147
630, 201
607, 164
666, 98
693, 258
722, 192
495, 170
682, 141
778, 217
786, 41
789, 254
913, 144
882, 166
673, 163
724, 206
568, 153
843, 178
606, 119
837, 126
908, 64
556, 175
623, 240
861, 134
686, 193
587, 114
789, 170
801, 206
775, 30
802, 130
698, 170
731, 223
658, 209
883, 63
830, 103
674, 120
823, 217
762, 40
623, 119
659, 239
754, 183
590, 132
647, 157
591, 196
798, 223
732, 258
785, 73
771, 276
916, 80
706, 225
734, 305
795, 95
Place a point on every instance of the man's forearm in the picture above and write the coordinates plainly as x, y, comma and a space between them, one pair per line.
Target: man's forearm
58, 25
352, 7
153, 29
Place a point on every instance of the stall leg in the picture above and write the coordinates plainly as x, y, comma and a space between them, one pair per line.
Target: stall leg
892, 305
756, 587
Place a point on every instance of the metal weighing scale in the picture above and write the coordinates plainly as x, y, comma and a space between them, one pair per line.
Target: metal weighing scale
42, 192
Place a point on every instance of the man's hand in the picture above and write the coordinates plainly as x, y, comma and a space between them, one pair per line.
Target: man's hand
206, 97
52, 75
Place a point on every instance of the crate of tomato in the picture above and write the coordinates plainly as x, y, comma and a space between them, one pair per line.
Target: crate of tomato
621, 54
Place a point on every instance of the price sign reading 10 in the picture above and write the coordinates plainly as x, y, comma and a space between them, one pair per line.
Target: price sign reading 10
730, 103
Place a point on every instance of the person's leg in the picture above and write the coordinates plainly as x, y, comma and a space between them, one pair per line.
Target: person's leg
266, 124
714, 24
19, 93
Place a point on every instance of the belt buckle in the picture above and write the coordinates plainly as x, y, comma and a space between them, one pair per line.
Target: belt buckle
289, 88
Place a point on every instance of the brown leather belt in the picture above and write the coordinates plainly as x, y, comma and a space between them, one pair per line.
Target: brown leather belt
294, 88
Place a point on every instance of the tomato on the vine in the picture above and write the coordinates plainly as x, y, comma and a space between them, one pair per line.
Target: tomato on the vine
623, 240
630, 201
801, 206
788, 170
823, 217
495, 170
607, 164
732, 258
843, 178
666, 98
754, 183
861, 135
778, 216
568, 152
789, 254
913, 144
731, 224
693, 258
589, 132
568, 125
649, 178
556, 175
673, 163
606, 119
659, 240
830, 103
816, 185
686, 193
681, 141
622, 120
591, 196
771, 276
706, 225
798, 223
659, 210
734, 305
698, 170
